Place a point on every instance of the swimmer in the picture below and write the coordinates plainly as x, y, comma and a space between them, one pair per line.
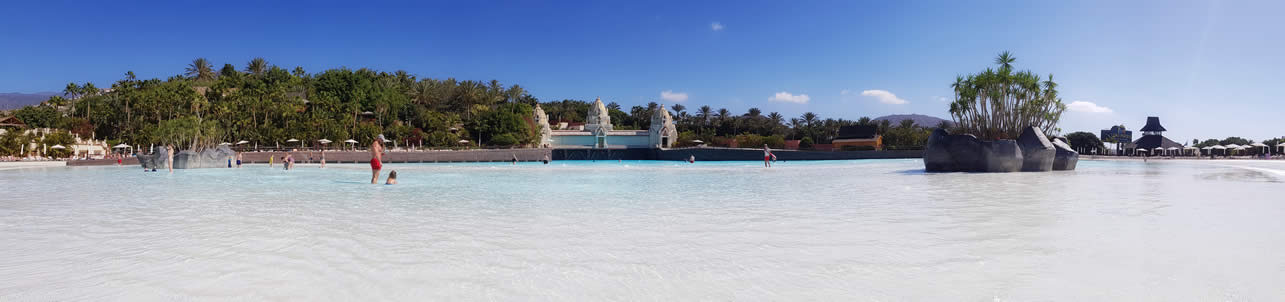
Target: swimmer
392, 178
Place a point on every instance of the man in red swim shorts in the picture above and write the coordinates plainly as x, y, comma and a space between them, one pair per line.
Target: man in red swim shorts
376, 156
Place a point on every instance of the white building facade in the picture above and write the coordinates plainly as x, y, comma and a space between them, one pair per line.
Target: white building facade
598, 132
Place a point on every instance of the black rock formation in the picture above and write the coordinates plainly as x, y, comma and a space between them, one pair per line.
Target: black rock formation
1037, 151
947, 152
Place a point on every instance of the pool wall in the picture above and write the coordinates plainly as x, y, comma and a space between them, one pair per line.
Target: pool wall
499, 155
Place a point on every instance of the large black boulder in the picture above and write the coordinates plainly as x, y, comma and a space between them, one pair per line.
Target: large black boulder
937, 154
1002, 156
945, 152
1066, 158
1037, 151
967, 152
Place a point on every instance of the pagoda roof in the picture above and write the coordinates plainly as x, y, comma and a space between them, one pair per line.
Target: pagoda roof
1153, 124
1153, 141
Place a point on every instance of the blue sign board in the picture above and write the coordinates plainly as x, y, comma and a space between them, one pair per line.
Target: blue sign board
1117, 134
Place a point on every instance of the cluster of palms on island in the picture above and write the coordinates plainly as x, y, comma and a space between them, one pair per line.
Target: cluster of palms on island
267, 104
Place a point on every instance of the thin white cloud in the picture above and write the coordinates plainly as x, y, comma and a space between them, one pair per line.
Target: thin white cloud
883, 96
716, 26
941, 99
789, 98
845, 92
676, 97
1088, 107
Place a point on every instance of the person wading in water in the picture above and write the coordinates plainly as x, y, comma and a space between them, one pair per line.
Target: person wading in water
376, 158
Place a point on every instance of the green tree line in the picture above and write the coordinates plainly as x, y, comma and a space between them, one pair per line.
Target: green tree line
266, 104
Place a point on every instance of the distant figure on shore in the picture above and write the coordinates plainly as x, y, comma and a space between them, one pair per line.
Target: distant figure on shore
271, 157
323, 158
546, 159
768, 157
376, 158
515, 159
169, 157
691, 159
238, 160
229, 162
392, 178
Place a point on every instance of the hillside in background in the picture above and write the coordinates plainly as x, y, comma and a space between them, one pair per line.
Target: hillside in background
920, 120
13, 100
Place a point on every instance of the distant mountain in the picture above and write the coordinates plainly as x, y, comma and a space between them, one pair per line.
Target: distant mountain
14, 100
920, 120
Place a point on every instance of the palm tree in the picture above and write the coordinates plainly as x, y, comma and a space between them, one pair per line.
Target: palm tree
776, 118
705, 114
1005, 60
88, 90
678, 108
723, 114
754, 112
257, 66
514, 93
299, 72
808, 118
71, 92
865, 120
200, 69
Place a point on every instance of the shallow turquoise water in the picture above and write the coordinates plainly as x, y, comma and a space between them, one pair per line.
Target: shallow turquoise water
647, 230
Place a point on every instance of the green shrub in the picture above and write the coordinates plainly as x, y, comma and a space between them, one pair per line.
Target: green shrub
504, 140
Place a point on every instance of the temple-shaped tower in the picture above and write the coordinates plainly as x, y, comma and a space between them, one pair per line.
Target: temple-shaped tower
542, 124
662, 132
598, 118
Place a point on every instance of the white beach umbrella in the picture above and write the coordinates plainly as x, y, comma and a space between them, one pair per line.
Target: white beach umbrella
350, 141
242, 142
225, 144
463, 141
1232, 146
1219, 147
291, 140
121, 146
58, 147
324, 141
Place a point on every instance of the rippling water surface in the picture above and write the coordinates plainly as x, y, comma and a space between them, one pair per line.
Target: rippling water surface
849, 230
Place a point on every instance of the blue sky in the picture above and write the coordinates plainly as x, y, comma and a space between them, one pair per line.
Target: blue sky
1208, 69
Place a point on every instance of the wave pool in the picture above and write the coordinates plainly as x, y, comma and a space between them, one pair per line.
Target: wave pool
841, 230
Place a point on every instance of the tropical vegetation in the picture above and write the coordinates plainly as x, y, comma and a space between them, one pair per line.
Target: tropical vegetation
1000, 103
1085, 143
267, 105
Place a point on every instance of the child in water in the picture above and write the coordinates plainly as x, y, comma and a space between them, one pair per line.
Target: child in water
392, 178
